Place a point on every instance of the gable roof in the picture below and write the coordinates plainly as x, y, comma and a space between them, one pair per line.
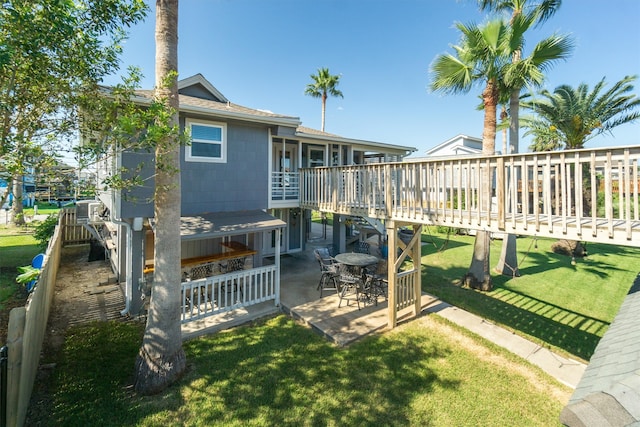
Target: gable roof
460, 143
199, 80
198, 96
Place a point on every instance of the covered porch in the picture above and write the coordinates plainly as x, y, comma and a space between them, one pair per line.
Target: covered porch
224, 263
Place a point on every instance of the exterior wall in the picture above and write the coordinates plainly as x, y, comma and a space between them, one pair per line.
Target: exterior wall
459, 145
242, 183
136, 202
198, 91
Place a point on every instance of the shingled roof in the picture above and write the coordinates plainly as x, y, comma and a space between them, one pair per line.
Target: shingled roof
609, 392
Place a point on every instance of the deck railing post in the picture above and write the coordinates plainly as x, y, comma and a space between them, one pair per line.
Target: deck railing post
500, 193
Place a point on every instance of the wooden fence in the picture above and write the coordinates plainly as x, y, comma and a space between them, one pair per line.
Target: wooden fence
72, 232
27, 327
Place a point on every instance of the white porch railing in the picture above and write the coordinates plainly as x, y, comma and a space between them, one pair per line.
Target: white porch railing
225, 292
590, 195
285, 186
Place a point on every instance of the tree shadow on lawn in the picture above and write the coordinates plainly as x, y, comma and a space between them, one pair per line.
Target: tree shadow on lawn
270, 373
544, 262
573, 332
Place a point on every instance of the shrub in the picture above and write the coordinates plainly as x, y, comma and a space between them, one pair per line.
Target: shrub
44, 230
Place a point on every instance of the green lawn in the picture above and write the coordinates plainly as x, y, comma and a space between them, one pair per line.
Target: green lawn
44, 208
566, 306
16, 249
277, 372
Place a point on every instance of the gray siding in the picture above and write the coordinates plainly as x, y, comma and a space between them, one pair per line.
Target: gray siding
241, 183
198, 91
137, 201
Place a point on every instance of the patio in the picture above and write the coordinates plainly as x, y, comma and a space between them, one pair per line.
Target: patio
300, 298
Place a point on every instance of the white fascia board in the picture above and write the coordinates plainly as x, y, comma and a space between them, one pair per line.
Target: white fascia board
356, 143
286, 121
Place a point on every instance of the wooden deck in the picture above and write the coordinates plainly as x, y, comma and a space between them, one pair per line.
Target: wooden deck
588, 195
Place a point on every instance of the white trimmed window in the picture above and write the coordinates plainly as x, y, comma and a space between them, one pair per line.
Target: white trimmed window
208, 142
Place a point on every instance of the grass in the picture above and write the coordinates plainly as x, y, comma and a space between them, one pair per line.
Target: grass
568, 307
277, 372
16, 249
44, 208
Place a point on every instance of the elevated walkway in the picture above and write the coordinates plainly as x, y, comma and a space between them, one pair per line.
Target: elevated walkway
587, 195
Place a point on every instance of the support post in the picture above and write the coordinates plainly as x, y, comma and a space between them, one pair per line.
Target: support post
416, 257
392, 233
17, 319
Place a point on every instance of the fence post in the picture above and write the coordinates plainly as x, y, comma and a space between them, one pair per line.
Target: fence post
17, 318
3, 385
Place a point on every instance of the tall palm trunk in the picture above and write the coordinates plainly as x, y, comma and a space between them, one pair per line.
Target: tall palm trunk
508, 262
161, 359
324, 109
479, 275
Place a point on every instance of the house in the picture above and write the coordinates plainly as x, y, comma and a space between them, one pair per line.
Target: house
28, 190
240, 199
459, 145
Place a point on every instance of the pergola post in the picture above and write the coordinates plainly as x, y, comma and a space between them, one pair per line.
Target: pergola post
392, 253
416, 257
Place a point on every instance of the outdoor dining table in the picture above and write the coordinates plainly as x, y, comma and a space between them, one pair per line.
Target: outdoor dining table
356, 259
353, 283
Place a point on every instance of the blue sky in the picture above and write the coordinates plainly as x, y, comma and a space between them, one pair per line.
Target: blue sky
260, 54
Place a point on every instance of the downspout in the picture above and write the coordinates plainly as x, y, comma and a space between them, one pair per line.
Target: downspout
128, 290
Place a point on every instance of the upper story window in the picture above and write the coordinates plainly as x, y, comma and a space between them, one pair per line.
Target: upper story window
208, 142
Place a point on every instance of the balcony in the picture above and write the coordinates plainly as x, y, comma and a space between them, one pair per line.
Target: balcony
285, 189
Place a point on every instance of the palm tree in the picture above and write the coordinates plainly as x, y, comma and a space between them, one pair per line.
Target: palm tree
481, 57
569, 117
524, 15
161, 359
324, 84
529, 71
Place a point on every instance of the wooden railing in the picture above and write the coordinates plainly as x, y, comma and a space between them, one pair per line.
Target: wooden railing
224, 292
573, 194
285, 186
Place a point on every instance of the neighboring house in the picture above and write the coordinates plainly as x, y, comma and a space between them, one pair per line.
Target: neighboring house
240, 190
28, 190
459, 145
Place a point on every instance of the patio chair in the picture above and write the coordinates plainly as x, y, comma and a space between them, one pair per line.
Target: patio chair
361, 247
351, 285
36, 262
234, 264
377, 283
329, 273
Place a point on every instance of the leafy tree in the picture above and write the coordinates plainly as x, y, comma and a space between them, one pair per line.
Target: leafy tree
324, 84
568, 117
161, 359
52, 56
